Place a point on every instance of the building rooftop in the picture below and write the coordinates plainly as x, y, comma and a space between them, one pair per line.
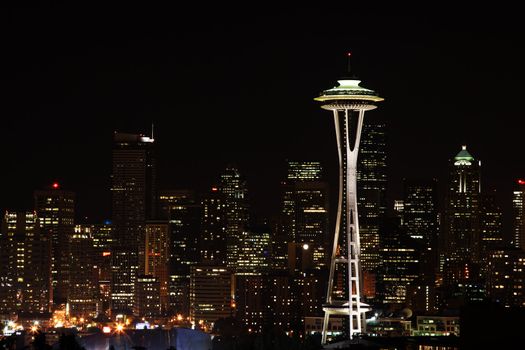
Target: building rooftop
463, 157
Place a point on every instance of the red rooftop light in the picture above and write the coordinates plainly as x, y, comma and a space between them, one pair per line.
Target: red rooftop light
521, 182
349, 54
55, 185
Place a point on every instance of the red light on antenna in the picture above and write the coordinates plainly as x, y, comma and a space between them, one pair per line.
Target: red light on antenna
349, 54
55, 185
521, 182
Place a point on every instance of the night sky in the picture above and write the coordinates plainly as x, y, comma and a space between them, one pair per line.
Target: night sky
228, 84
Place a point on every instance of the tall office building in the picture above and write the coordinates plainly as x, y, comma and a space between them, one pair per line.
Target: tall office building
157, 257
253, 257
133, 201
234, 191
83, 284
284, 301
25, 276
400, 262
506, 277
371, 191
252, 301
305, 208
304, 171
183, 212
462, 211
102, 235
55, 209
251, 276
420, 219
491, 225
213, 244
518, 209
147, 296
279, 243
212, 293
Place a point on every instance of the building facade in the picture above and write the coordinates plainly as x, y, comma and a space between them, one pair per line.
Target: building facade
183, 212
213, 243
506, 277
420, 220
305, 209
55, 209
133, 191
157, 257
25, 249
518, 208
371, 191
461, 231
103, 237
212, 294
235, 193
147, 296
83, 291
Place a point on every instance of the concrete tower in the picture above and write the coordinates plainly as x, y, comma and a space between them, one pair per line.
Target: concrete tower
348, 102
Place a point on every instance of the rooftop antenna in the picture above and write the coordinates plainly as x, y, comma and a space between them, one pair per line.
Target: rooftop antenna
348, 67
152, 128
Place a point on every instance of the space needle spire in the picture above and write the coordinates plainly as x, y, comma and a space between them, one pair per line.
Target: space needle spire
348, 102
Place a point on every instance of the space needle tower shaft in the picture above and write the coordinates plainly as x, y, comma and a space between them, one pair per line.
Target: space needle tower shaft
348, 103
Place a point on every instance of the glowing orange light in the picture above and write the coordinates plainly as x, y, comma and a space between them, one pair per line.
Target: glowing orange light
120, 328
214, 189
55, 185
106, 253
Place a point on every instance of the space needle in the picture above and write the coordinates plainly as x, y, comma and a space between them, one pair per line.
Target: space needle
348, 101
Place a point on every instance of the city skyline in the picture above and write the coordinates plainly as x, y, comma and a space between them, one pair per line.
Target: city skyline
169, 169
67, 91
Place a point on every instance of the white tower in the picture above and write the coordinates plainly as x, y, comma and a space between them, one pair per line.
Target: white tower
348, 102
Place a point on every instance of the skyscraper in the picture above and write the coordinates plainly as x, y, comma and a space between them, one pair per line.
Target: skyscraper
183, 212
518, 207
253, 257
506, 277
348, 102
420, 219
400, 262
133, 201
25, 276
371, 191
102, 235
491, 225
212, 290
462, 210
147, 296
83, 277
55, 209
157, 257
213, 244
305, 209
234, 191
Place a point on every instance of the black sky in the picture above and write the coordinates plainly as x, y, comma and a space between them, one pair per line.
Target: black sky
228, 84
